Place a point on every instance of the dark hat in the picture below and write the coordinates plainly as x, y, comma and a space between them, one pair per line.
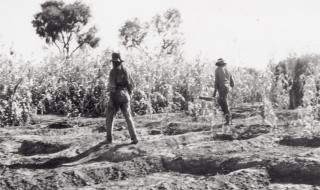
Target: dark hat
220, 62
116, 57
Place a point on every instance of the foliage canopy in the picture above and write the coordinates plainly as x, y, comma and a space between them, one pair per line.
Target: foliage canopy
65, 26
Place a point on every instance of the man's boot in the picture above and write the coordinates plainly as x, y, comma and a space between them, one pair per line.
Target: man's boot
227, 117
134, 141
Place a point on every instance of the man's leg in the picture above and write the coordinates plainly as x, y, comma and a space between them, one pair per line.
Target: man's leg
223, 102
111, 112
126, 111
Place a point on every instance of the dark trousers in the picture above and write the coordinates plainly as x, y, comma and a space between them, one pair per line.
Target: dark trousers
223, 99
112, 110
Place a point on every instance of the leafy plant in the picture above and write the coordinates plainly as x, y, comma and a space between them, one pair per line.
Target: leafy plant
64, 26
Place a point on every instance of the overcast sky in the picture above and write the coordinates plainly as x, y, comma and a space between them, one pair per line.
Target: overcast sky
245, 33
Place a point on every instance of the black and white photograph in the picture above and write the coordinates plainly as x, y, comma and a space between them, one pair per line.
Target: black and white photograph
159, 95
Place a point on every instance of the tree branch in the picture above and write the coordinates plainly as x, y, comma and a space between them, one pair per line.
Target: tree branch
57, 46
80, 45
69, 38
64, 42
68, 42
63, 39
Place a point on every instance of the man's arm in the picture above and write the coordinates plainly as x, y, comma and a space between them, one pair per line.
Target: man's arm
131, 84
112, 82
215, 92
231, 81
215, 83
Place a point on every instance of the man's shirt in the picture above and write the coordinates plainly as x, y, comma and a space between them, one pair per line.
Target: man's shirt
120, 77
223, 77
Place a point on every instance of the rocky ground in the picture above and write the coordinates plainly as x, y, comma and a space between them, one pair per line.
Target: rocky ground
174, 152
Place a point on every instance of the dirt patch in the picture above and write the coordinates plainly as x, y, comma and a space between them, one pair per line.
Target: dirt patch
295, 171
154, 132
278, 186
173, 152
209, 164
59, 125
245, 111
300, 141
242, 132
100, 129
176, 128
153, 124
224, 137
250, 179
120, 153
287, 115
29, 148
243, 115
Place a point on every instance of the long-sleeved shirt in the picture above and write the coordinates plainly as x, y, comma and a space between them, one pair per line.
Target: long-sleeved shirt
120, 77
223, 77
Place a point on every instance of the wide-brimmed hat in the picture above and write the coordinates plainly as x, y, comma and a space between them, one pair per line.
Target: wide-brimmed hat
115, 57
220, 62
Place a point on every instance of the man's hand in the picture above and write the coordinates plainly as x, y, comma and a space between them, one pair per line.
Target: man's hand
214, 93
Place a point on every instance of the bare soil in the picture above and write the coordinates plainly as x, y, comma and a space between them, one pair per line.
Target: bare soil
174, 152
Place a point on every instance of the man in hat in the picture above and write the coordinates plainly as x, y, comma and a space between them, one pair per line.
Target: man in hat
120, 87
223, 82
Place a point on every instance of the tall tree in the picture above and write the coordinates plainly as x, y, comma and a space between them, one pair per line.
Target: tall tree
167, 26
64, 25
161, 35
132, 33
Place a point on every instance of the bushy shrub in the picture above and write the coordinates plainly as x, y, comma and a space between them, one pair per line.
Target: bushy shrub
203, 110
164, 84
178, 102
15, 97
15, 106
140, 103
158, 102
292, 73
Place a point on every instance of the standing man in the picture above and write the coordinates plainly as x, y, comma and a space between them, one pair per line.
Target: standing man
120, 87
223, 82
